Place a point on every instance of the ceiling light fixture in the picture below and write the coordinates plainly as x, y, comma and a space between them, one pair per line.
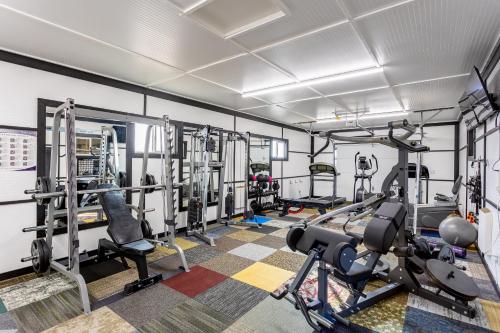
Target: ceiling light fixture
364, 117
344, 76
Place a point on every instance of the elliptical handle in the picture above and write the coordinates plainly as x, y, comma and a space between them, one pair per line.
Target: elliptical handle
376, 164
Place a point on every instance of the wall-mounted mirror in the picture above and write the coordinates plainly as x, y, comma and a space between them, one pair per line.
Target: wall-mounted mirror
100, 154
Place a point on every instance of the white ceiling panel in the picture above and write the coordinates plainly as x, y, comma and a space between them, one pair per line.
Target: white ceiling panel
317, 108
360, 7
192, 87
381, 100
432, 94
368, 81
244, 73
333, 51
44, 41
152, 28
445, 115
288, 95
305, 15
432, 38
278, 114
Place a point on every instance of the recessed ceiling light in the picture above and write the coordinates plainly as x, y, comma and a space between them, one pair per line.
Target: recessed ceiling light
343, 76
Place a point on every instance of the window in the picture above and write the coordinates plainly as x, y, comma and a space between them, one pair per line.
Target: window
279, 150
155, 142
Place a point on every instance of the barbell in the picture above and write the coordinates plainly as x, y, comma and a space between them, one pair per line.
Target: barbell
42, 195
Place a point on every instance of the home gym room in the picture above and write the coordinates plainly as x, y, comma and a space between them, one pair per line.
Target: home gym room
248, 166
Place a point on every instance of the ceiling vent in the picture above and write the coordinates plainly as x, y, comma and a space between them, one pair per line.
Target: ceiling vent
230, 18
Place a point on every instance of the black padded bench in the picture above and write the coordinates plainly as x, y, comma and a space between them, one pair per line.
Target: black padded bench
127, 238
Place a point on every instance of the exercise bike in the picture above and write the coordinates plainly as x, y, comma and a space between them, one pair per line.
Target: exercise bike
361, 166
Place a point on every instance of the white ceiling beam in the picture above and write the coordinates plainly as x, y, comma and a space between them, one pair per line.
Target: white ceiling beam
430, 80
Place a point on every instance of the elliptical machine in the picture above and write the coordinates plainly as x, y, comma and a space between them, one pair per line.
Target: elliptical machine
361, 166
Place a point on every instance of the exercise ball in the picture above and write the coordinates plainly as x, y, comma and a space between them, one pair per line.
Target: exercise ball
455, 230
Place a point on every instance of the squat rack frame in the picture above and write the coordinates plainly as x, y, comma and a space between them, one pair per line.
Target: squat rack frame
69, 110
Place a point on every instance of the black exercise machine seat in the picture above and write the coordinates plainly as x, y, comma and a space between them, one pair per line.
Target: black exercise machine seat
127, 238
124, 229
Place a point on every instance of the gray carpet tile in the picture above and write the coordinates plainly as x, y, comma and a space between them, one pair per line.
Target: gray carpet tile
6, 322
219, 231
233, 298
422, 321
41, 315
265, 229
285, 260
226, 244
148, 304
271, 241
227, 264
189, 317
273, 316
199, 254
487, 290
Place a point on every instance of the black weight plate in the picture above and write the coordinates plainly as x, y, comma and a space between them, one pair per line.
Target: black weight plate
40, 249
147, 231
452, 280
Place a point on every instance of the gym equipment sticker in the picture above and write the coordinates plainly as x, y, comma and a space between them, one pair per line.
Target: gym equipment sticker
17, 150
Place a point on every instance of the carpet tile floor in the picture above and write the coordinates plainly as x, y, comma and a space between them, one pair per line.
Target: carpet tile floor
226, 290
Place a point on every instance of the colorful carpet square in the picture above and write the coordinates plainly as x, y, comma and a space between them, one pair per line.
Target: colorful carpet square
112, 284
227, 264
280, 233
201, 254
252, 251
263, 276
49, 312
271, 241
3, 309
246, 235
225, 244
189, 317
417, 320
233, 298
195, 282
145, 305
101, 320
286, 260
34, 290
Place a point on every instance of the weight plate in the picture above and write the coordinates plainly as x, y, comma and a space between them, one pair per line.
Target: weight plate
147, 231
40, 250
43, 186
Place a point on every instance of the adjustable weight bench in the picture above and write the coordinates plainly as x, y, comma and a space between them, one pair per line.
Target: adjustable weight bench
127, 238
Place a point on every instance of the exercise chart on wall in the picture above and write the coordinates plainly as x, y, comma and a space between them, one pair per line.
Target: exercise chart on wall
17, 150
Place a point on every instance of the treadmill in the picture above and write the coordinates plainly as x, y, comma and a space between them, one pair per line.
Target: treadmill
325, 172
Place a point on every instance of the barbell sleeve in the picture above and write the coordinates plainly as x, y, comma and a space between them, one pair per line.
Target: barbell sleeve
30, 258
